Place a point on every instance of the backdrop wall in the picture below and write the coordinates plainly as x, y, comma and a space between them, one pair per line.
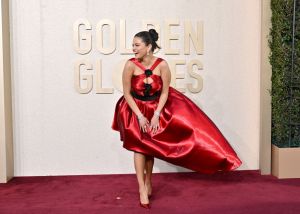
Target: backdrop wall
59, 130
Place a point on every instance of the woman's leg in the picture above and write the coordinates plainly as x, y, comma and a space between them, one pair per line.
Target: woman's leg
140, 164
148, 176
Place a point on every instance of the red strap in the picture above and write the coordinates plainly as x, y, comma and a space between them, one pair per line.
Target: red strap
140, 65
157, 61
135, 61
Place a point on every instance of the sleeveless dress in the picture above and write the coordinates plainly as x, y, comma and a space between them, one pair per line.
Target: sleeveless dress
187, 137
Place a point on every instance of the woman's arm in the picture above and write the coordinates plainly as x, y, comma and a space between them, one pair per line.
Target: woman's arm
166, 79
126, 79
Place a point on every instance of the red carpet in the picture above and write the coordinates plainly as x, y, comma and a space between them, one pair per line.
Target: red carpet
230, 192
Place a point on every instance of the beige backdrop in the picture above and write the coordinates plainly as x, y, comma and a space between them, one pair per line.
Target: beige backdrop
60, 131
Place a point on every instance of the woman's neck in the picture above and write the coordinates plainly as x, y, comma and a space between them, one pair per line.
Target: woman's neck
147, 60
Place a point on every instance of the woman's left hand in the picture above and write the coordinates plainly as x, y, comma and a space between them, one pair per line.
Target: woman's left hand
154, 125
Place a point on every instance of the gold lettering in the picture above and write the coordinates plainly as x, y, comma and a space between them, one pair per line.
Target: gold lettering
112, 36
82, 37
169, 37
175, 75
78, 76
197, 39
99, 89
123, 49
196, 76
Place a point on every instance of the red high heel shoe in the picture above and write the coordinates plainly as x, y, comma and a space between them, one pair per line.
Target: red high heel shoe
146, 206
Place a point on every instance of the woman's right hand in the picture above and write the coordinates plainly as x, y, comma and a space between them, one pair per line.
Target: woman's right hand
144, 123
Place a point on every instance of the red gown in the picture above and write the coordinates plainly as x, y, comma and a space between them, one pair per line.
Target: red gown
186, 137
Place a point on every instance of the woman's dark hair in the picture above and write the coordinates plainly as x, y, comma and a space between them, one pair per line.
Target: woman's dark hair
149, 37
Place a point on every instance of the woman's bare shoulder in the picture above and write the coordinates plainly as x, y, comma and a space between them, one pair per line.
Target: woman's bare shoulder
129, 66
163, 64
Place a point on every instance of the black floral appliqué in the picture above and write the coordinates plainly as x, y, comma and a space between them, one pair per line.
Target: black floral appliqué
147, 90
148, 72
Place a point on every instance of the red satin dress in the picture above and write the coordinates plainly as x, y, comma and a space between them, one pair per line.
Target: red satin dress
186, 137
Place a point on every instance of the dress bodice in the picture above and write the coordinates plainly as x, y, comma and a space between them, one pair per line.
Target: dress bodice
147, 83
139, 85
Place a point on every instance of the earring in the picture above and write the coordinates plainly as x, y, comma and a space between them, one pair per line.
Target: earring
148, 53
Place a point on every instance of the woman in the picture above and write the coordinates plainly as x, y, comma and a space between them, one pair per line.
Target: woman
155, 120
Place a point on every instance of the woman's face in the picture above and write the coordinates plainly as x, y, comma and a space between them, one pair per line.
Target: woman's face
139, 48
